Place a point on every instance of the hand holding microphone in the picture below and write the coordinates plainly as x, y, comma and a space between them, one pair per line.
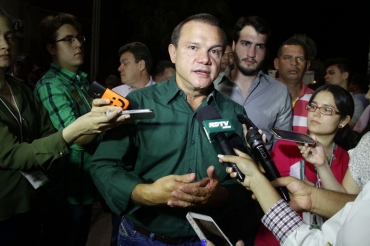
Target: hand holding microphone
254, 139
215, 128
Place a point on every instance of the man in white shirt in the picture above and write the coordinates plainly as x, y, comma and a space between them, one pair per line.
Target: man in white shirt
136, 62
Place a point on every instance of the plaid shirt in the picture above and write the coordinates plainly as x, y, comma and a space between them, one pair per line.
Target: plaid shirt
281, 220
64, 95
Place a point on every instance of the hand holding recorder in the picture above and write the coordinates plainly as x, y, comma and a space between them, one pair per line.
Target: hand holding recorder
96, 90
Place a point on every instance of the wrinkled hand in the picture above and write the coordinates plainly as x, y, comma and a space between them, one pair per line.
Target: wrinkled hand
314, 154
205, 193
245, 164
300, 192
160, 192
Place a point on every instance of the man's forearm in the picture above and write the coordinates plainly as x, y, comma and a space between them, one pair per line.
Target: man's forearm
327, 203
142, 195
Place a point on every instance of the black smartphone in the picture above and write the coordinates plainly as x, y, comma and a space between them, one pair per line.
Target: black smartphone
96, 90
139, 114
293, 136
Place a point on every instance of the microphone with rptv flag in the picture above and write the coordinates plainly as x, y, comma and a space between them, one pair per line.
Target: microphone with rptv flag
216, 129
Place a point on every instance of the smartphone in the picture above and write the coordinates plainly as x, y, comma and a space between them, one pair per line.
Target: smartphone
96, 90
139, 114
206, 228
293, 136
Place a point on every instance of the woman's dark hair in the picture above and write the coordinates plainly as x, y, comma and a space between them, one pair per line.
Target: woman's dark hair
346, 106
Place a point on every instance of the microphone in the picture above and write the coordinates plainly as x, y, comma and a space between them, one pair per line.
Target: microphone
254, 139
215, 129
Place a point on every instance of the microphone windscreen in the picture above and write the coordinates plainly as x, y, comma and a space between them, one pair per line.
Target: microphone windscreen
207, 113
237, 142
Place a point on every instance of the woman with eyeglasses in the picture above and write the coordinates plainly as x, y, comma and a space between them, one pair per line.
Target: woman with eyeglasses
330, 108
29, 145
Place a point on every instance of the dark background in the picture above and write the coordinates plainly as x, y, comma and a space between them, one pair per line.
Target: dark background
338, 29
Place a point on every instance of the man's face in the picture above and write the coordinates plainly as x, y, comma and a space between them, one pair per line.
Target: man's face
334, 76
129, 69
197, 56
291, 64
227, 58
68, 55
249, 51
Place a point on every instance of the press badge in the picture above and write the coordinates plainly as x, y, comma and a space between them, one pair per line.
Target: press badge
314, 220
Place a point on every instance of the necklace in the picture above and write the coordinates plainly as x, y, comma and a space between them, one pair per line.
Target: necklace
318, 179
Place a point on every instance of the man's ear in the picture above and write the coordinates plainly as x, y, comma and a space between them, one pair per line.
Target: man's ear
51, 49
172, 51
233, 46
142, 65
276, 63
345, 75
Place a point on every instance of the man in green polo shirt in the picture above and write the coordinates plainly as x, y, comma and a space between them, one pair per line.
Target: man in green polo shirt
63, 92
154, 171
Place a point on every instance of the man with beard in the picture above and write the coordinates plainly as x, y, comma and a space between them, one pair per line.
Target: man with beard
266, 101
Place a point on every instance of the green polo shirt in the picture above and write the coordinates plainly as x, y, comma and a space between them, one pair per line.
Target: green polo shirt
64, 95
172, 142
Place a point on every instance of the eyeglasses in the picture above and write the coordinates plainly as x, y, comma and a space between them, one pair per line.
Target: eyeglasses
71, 39
326, 110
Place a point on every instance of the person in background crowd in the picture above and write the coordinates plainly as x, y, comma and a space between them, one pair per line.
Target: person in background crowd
32, 148
136, 64
338, 72
227, 63
112, 81
163, 71
291, 63
329, 110
23, 66
266, 101
359, 86
63, 92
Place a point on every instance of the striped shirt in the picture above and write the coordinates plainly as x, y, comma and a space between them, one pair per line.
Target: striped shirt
299, 110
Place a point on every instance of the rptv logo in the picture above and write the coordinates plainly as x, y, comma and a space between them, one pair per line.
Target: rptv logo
223, 124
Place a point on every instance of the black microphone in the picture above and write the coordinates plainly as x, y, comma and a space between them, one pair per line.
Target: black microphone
254, 139
215, 128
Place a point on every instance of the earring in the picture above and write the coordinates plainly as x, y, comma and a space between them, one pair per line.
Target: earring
340, 126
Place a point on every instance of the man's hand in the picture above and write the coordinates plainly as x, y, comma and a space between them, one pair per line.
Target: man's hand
205, 193
300, 192
159, 192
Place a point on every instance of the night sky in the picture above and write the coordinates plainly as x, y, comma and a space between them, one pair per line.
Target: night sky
339, 29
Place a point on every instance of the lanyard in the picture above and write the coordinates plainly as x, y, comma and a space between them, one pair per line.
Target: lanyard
318, 180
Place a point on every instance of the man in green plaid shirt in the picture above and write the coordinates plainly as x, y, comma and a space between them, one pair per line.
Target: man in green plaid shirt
63, 92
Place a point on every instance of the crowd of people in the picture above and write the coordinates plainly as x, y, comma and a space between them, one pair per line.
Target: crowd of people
61, 151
